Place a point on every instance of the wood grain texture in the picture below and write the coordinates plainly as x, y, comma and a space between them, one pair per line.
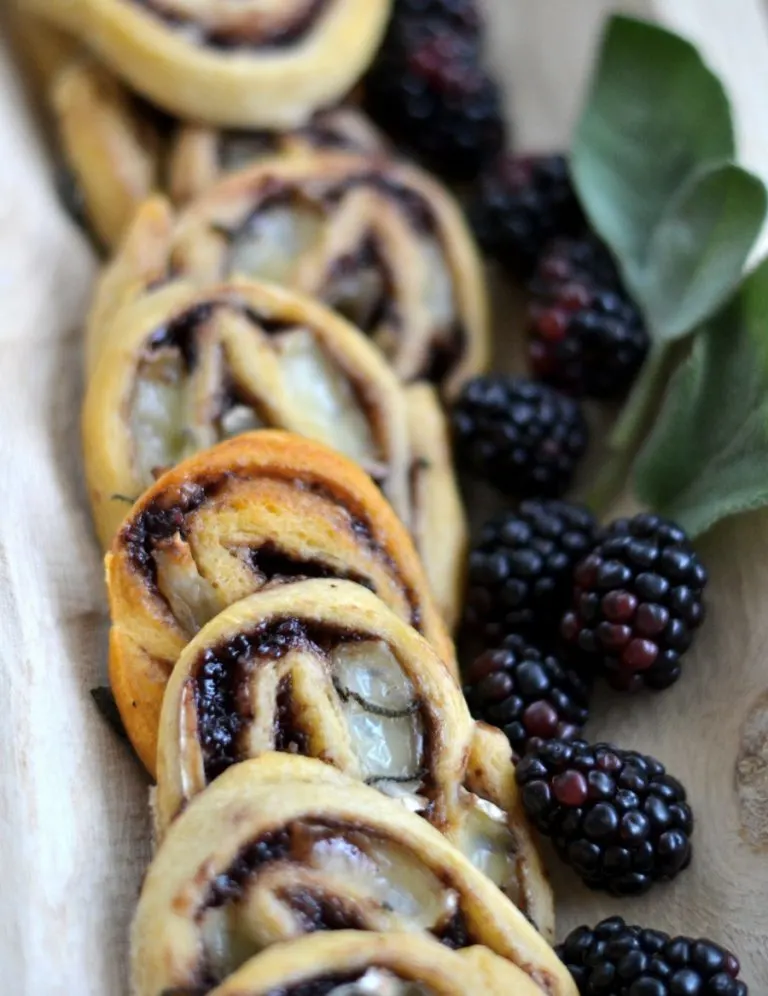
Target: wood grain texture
72, 801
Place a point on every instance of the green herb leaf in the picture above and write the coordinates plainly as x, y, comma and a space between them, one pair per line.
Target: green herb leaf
707, 457
656, 117
698, 250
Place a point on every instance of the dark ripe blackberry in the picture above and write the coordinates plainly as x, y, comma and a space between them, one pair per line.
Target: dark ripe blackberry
463, 16
637, 603
523, 438
616, 959
520, 574
526, 693
428, 90
614, 815
587, 335
522, 203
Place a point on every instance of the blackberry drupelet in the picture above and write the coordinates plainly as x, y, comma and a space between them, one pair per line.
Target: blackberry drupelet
526, 693
614, 815
520, 573
616, 959
587, 335
429, 91
522, 203
637, 603
523, 438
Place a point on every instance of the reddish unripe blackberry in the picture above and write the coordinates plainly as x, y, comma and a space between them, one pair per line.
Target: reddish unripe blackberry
614, 815
586, 334
522, 203
616, 959
526, 693
525, 439
429, 91
637, 603
520, 572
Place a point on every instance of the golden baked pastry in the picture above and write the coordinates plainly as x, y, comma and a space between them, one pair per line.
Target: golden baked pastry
109, 143
254, 63
201, 155
438, 522
182, 369
264, 507
282, 846
325, 669
356, 963
379, 241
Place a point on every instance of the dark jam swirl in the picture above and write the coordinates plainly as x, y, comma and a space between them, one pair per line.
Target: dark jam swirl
221, 677
320, 986
166, 515
315, 908
245, 35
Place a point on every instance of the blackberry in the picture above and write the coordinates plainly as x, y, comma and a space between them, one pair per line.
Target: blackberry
614, 815
615, 959
520, 573
526, 693
586, 334
462, 16
428, 90
523, 438
637, 603
521, 204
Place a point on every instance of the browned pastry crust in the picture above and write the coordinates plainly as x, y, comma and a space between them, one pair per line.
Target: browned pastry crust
380, 241
182, 369
380, 964
282, 846
255, 63
438, 523
200, 156
325, 669
264, 507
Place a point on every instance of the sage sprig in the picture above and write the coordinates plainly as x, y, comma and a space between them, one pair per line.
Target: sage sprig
707, 456
652, 163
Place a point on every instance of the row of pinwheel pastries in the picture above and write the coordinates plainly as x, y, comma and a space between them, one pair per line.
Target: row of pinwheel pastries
280, 661
242, 626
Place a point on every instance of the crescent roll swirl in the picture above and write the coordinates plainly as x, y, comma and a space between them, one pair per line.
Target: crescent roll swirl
326, 670
111, 142
254, 63
283, 846
200, 156
264, 507
182, 369
353, 963
381, 242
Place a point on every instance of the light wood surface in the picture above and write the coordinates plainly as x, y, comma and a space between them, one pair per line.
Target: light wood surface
74, 835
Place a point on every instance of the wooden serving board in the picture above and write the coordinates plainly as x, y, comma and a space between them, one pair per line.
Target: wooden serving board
74, 833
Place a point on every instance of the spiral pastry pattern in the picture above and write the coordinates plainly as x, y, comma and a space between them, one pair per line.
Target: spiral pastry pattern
181, 369
265, 507
254, 63
353, 963
323, 669
378, 241
283, 846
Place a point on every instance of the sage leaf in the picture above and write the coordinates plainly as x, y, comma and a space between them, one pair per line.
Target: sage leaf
707, 457
698, 250
655, 117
